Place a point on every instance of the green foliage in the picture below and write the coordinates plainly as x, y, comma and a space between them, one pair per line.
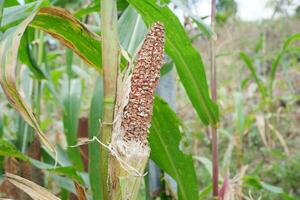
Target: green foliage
203, 27
164, 141
249, 65
279, 56
7, 149
71, 108
132, 24
95, 115
26, 56
74, 34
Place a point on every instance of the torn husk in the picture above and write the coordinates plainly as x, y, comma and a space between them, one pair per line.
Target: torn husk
133, 114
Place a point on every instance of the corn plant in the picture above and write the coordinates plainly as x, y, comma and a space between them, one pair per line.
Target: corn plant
266, 87
127, 123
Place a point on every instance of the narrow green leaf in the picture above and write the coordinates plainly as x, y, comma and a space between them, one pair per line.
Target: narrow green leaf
272, 188
132, 30
247, 60
1, 10
258, 184
71, 105
69, 62
69, 172
95, 7
26, 57
9, 53
61, 25
96, 111
205, 193
188, 61
277, 59
239, 112
164, 141
9, 3
14, 15
1, 126
206, 162
92, 7
260, 44
69, 31
206, 30
8, 149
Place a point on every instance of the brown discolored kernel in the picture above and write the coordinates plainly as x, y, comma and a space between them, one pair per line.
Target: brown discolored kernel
138, 112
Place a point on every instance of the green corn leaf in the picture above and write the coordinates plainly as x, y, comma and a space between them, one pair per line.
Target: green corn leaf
131, 23
71, 105
60, 24
277, 59
9, 3
69, 31
1, 10
8, 149
164, 141
95, 7
206, 30
249, 64
9, 53
14, 15
205, 193
188, 61
26, 57
96, 111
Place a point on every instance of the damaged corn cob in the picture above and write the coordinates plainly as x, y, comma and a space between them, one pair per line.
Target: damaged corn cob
137, 114
133, 114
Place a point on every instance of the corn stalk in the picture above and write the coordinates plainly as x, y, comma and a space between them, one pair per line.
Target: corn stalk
110, 63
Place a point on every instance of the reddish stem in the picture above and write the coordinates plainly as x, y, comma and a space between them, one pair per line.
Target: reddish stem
213, 86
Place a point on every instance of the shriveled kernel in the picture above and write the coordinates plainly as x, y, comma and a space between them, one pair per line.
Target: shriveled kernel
144, 80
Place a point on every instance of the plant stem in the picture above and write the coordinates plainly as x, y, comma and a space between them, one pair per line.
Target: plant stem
110, 62
213, 86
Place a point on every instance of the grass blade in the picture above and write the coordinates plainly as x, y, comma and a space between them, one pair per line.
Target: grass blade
96, 112
63, 26
251, 68
277, 59
71, 104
